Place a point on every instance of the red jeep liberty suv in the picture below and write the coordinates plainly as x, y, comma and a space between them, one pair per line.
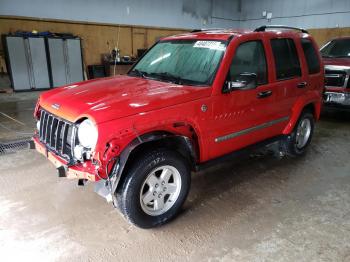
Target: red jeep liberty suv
191, 99
336, 57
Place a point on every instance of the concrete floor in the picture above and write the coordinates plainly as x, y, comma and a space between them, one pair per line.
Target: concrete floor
16, 112
256, 208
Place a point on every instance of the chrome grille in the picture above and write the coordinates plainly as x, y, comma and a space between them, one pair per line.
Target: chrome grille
335, 78
57, 134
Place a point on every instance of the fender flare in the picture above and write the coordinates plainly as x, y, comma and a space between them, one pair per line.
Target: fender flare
152, 137
117, 170
299, 106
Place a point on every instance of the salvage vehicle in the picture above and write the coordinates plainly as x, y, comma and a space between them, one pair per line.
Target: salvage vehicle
191, 100
336, 58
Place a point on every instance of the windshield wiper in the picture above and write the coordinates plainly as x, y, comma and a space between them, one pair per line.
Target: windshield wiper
169, 77
139, 73
164, 76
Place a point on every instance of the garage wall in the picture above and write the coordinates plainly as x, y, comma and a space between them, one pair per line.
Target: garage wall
300, 13
98, 22
186, 14
138, 23
97, 39
322, 36
325, 19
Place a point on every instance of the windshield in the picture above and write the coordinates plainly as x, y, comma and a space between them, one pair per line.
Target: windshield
188, 62
337, 48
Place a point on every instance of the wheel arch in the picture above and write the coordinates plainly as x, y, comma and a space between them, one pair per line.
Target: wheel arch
314, 107
185, 146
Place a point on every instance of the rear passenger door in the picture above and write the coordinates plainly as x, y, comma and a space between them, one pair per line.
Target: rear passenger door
315, 79
289, 81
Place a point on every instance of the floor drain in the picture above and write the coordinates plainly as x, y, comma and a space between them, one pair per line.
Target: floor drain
13, 146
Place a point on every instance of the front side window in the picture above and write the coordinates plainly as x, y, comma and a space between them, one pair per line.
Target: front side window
286, 58
189, 62
249, 58
337, 48
311, 57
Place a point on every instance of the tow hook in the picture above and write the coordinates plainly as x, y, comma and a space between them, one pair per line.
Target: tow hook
61, 171
82, 182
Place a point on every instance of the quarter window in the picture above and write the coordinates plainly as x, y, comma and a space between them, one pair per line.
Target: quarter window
249, 58
286, 58
311, 57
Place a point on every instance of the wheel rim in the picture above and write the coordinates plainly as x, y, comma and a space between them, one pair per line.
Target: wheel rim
160, 190
303, 133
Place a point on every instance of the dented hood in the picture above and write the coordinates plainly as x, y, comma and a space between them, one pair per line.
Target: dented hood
116, 97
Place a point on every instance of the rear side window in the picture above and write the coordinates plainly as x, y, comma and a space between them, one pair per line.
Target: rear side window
311, 57
286, 58
249, 58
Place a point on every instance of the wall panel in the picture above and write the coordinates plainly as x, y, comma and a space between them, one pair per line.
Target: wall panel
188, 14
322, 36
97, 38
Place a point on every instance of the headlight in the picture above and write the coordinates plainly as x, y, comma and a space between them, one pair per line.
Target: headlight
87, 134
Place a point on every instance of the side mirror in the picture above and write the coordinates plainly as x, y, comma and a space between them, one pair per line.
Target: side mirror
244, 81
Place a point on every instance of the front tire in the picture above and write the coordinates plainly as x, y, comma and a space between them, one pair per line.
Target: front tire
154, 188
298, 141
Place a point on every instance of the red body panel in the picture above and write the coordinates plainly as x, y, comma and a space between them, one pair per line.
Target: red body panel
116, 97
125, 107
337, 61
337, 80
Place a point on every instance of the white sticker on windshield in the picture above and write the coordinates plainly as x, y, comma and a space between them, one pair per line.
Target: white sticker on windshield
210, 44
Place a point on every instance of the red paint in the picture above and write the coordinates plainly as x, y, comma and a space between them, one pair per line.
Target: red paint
334, 61
125, 107
337, 62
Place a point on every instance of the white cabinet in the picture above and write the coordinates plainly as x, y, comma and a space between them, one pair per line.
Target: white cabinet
43, 62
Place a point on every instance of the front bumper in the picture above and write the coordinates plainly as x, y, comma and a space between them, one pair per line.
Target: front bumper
79, 171
337, 99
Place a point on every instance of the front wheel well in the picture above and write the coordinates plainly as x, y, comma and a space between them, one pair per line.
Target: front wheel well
180, 144
177, 143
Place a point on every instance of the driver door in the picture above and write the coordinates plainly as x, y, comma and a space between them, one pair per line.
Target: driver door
243, 116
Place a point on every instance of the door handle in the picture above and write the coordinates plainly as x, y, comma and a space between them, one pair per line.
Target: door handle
264, 94
302, 85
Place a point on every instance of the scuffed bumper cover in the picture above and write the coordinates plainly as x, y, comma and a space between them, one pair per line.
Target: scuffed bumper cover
342, 100
80, 171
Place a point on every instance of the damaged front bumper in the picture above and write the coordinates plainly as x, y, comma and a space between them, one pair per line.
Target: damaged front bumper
82, 171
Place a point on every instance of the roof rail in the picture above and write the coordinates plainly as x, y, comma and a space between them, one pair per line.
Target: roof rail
264, 27
206, 29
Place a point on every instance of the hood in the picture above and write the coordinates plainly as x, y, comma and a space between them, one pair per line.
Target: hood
116, 97
337, 61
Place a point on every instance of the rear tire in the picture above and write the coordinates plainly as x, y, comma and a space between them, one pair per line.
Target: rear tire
154, 188
298, 141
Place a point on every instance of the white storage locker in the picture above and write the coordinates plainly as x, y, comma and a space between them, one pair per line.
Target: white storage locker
26, 58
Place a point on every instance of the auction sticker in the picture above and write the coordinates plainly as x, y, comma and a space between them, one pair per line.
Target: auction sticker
210, 44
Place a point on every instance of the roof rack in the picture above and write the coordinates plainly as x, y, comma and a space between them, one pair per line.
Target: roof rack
206, 29
264, 27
